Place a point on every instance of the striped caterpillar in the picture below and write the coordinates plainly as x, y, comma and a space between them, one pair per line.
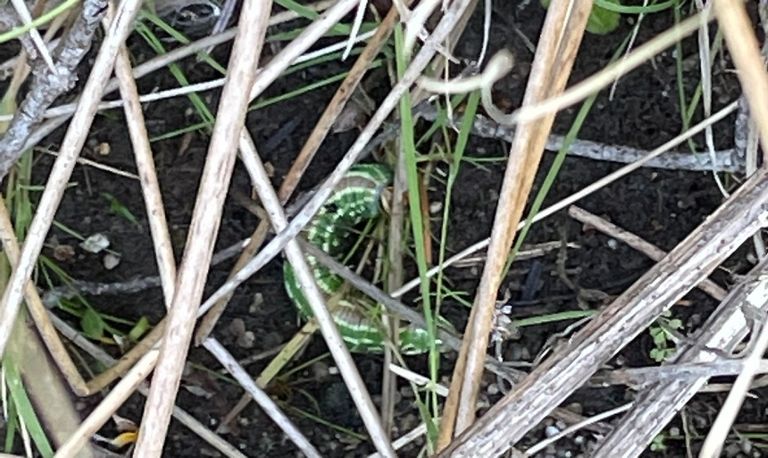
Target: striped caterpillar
356, 199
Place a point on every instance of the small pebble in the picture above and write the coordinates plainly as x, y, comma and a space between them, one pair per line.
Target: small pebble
103, 149
110, 261
63, 253
746, 446
246, 340
236, 327
551, 431
258, 300
732, 450
95, 243
435, 207
612, 244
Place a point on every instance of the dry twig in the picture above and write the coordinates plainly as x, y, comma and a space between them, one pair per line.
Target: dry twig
203, 228
70, 149
564, 371
49, 83
563, 29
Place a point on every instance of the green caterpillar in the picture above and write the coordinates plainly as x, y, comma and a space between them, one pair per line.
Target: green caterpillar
356, 199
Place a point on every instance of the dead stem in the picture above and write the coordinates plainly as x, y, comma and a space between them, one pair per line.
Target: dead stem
557, 48
72, 144
299, 166
203, 229
634, 241
564, 371
743, 46
264, 401
49, 83
685, 374
306, 214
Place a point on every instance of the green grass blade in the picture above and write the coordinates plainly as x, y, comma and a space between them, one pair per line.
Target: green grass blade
25, 409
408, 146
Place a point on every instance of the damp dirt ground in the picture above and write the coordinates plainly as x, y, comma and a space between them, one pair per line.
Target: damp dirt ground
659, 205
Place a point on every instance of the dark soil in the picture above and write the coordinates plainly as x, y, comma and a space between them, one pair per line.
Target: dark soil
661, 206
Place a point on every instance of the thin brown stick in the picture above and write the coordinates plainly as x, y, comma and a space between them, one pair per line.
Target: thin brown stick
299, 166
634, 241
71, 146
561, 36
662, 396
745, 50
145, 166
206, 218
663, 285
395, 276
336, 106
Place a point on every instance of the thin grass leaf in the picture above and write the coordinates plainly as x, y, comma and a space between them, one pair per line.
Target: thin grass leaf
417, 224
25, 409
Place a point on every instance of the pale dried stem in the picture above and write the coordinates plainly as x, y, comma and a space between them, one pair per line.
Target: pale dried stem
154, 336
573, 198
267, 405
573, 428
145, 166
71, 146
121, 392
306, 214
743, 46
629, 314
323, 126
109, 405
639, 244
42, 382
605, 77
306, 279
38, 311
162, 244
557, 48
334, 108
26, 18
206, 218
665, 390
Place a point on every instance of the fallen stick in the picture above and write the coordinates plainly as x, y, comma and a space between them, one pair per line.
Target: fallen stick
663, 285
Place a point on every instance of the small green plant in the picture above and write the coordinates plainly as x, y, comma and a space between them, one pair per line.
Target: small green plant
119, 209
659, 444
662, 335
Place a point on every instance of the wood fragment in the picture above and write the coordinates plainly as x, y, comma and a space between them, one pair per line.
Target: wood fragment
566, 369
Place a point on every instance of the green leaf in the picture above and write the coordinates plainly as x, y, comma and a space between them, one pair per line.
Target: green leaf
675, 323
25, 409
657, 355
119, 209
92, 324
602, 21
139, 329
